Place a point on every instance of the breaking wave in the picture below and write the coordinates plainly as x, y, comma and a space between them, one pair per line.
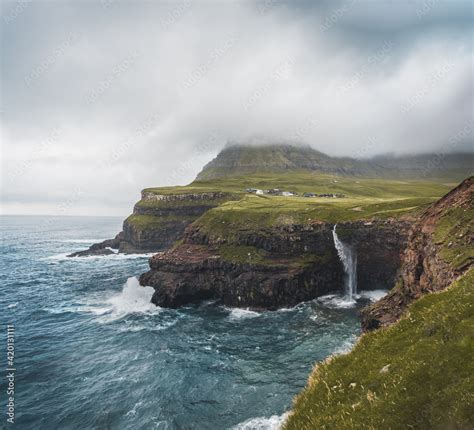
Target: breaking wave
116, 256
262, 423
336, 301
239, 314
373, 295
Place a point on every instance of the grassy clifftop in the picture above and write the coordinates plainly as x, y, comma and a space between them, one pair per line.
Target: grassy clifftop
416, 374
452, 235
363, 199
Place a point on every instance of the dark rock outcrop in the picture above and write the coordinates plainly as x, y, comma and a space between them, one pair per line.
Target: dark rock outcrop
301, 264
423, 269
157, 222
192, 273
102, 248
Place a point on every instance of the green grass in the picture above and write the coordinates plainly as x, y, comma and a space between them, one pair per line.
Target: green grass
265, 212
240, 211
452, 234
242, 254
252, 255
302, 181
416, 374
150, 222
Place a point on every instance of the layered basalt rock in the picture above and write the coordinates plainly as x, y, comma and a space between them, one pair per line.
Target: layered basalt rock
299, 263
157, 222
192, 273
439, 251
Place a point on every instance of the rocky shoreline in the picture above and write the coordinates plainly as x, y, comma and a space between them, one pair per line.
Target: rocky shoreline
300, 264
277, 265
157, 222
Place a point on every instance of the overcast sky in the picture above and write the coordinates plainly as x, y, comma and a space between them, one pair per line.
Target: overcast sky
103, 98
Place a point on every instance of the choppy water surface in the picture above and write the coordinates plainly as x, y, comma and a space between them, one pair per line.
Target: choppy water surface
92, 352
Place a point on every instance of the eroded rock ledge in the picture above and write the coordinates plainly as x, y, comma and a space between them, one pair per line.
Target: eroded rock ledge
157, 222
274, 268
439, 251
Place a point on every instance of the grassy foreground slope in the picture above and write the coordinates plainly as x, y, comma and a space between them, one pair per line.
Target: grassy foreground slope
417, 373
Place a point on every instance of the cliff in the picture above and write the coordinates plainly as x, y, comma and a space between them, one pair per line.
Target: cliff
415, 372
274, 267
159, 219
439, 250
264, 251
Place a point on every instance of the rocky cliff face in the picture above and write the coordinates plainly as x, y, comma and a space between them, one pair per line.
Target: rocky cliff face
276, 268
192, 273
439, 250
158, 221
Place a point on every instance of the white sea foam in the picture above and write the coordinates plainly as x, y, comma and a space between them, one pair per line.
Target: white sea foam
286, 309
262, 423
133, 299
346, 346
373, 295
80, 240
155, 326
336, 301
238, 313
116, 256
133, 411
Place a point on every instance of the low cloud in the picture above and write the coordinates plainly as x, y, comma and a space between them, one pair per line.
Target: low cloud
111, 97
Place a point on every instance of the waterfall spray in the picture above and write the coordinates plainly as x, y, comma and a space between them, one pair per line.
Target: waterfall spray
349, 260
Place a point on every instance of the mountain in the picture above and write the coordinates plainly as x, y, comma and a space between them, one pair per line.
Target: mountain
241, 159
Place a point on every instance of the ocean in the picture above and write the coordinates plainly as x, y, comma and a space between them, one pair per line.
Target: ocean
92, 352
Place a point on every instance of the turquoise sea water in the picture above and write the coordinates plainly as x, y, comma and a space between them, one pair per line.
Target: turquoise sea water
91, 352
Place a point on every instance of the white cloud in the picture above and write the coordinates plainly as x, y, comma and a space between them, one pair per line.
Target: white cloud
139, 103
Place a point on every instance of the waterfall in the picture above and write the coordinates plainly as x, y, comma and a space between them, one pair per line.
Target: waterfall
349, 260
